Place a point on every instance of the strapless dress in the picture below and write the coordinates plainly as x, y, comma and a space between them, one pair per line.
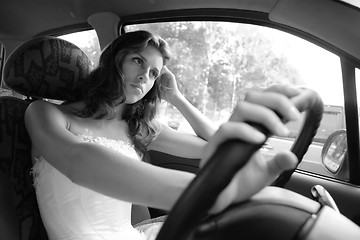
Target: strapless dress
73, 212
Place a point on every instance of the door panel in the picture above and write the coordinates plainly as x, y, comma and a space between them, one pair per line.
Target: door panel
346, 196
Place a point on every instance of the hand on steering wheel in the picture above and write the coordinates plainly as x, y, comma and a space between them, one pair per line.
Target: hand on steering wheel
257, 107
265, 111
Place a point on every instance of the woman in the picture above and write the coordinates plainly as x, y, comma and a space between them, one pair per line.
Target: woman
88, 169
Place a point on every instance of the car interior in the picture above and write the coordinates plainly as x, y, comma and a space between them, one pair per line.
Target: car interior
319, 200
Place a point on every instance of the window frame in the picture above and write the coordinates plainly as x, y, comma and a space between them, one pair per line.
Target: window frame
2, 63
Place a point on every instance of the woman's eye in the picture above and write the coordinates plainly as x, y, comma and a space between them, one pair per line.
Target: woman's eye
154, 74
138, 61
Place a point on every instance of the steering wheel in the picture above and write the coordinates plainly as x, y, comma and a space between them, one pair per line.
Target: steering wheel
191, 208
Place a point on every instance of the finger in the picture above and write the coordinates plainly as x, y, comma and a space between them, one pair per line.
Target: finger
164, 80
246, 111
304, 101
166, 75
258, 173
232, 130
164, 69
287, 90
282, 161
279, 103
267, 170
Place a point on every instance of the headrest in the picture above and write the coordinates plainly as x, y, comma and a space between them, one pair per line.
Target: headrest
47, 67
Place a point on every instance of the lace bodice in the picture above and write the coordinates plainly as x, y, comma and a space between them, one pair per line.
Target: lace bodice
70, 211
119, 145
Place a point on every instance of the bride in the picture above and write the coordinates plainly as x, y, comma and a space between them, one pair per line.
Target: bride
89, 164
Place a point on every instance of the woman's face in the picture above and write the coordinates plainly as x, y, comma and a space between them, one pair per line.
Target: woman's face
140, 71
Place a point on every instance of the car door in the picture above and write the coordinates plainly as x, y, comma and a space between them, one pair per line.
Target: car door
217, 62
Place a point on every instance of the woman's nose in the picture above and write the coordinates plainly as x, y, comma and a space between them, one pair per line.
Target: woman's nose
143, 76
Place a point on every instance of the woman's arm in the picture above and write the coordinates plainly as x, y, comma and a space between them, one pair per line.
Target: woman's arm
111, 173
97, 167
201, 125
178, 144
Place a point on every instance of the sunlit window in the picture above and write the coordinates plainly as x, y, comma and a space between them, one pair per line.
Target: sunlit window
217, 62
88, 42
4, 90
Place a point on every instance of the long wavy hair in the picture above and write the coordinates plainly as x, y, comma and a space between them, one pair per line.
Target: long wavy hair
104, 88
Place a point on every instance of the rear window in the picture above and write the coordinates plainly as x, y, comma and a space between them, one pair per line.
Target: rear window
4, 91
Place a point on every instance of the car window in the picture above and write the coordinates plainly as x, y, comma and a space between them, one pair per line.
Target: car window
217, 62
4, 91
88, 42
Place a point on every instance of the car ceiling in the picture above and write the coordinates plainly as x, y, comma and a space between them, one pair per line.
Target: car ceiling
26, 18
329, 21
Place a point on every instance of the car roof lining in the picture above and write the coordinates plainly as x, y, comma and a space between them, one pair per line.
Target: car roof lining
322, 22
29, 18
299, 17
247, 17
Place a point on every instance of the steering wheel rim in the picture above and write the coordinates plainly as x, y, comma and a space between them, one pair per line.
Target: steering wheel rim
199, 197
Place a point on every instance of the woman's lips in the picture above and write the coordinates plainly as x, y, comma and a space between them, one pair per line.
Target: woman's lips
138, 87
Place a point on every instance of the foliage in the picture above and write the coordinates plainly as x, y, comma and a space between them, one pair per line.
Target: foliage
216, 62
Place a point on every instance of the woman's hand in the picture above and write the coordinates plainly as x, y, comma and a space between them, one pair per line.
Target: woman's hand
258, 107
168, 85
201, 125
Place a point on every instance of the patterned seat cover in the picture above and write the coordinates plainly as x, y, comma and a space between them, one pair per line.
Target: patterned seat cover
42, 68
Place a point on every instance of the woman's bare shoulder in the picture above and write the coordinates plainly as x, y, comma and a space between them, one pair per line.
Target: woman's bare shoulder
46, 106
42, 112
42, 107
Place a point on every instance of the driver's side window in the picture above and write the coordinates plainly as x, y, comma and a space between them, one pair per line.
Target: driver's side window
216, 62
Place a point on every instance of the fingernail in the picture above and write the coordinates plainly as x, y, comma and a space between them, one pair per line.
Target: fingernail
294, 114
283, 131
259, 137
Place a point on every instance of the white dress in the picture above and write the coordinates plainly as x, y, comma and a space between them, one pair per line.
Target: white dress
70, 211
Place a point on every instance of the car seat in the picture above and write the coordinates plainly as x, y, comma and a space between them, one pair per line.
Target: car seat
41, 68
